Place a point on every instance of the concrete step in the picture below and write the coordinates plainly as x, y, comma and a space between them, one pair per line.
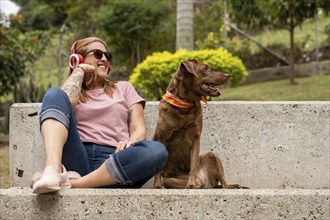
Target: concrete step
281, 150
261, 204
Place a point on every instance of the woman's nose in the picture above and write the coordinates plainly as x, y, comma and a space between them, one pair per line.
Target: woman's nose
103, 57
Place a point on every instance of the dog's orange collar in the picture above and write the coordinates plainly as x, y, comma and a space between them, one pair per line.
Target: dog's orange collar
173, 100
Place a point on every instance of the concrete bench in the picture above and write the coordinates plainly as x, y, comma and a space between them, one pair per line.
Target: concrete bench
279, 149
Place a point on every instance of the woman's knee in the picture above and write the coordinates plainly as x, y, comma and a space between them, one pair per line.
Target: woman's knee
157, 151
53, 94
56, 105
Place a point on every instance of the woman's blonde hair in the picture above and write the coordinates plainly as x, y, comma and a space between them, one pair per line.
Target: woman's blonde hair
81, 48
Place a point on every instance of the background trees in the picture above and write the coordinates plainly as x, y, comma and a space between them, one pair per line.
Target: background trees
19, 50
135, 29
277, 14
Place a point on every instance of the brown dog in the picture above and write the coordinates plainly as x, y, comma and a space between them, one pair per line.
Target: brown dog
179, 127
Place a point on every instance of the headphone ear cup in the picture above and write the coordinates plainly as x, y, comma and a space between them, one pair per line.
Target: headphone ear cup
75, 59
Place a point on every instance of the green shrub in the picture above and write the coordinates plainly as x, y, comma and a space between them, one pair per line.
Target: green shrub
152, 76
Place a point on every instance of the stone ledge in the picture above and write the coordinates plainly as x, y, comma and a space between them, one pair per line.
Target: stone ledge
283, 72
273, 145
20, 203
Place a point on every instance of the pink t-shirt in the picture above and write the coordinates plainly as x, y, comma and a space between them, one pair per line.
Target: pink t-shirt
102, 119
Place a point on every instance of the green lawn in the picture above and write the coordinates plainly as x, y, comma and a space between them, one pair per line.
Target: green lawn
315, 88
4, 161
304, 35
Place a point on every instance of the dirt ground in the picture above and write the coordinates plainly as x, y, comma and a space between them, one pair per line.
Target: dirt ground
4, 161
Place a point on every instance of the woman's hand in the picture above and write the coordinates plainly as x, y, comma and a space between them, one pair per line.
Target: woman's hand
90, 73
123, 145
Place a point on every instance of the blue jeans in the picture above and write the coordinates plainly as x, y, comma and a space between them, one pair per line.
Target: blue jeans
131, 168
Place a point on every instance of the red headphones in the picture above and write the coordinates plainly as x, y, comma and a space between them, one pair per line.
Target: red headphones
75, 58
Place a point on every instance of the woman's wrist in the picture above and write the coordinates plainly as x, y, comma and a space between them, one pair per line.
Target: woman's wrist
79, 67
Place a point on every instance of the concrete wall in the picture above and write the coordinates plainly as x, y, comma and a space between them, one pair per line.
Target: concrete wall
283, 72
272, 147
268, 145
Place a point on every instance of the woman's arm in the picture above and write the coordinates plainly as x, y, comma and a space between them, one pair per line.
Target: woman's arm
136, 125
137, 130
72, 86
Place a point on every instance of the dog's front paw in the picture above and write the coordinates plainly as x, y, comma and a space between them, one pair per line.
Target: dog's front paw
157, 186
191, 186
205, 186
237, 186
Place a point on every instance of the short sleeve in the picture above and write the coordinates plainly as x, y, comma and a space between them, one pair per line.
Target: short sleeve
130, 94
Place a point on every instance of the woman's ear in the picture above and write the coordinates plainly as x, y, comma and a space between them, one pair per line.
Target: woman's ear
108, 70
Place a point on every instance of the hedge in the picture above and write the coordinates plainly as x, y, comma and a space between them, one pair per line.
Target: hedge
152, 76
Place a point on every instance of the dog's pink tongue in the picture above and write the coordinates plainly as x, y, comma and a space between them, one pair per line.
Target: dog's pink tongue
217, 91
211, 90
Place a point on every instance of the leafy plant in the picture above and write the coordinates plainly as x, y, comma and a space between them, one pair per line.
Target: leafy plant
152, 76
19, 49
236, 45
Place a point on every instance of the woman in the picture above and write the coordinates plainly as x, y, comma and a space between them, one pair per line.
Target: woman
95, 127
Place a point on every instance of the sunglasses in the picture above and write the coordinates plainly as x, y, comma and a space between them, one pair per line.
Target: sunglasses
99, 53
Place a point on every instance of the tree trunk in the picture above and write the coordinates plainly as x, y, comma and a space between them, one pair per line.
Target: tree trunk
292, 55
292, 51
184, 25
138, 51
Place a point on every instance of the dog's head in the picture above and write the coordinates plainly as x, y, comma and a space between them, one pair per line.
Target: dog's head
198, 77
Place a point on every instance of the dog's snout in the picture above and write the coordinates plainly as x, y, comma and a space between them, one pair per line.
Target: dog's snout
227, 75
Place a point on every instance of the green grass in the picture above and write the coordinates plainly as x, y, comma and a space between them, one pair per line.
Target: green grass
4, 168
316, 88
4, 161
304, 35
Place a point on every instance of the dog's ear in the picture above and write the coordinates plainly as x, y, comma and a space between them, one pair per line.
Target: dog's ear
188, 66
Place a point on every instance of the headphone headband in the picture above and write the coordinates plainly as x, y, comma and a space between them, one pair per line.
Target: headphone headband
73, 47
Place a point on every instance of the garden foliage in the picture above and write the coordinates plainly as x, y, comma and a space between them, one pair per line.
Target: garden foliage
152, 76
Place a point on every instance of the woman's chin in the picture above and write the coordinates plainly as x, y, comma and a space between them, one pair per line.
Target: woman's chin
102, 72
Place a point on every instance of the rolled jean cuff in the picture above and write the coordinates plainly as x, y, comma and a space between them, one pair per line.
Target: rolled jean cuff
114, 168
54, 114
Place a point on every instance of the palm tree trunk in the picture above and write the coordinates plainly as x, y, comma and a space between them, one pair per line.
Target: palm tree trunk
184, 25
